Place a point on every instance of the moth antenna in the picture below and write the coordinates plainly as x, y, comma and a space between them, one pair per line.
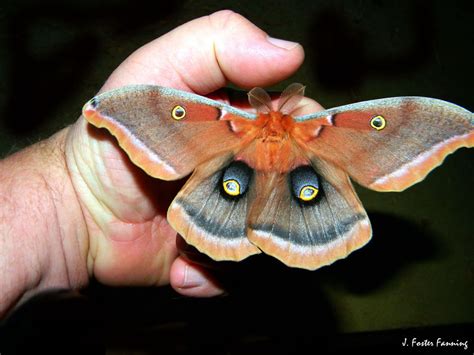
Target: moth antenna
260, 100
290, 98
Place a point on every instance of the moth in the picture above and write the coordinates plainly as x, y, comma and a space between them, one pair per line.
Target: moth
275, 182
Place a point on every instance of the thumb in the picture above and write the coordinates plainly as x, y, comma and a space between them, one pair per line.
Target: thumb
203, 54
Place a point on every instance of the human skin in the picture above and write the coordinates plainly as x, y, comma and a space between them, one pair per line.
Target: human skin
74, 207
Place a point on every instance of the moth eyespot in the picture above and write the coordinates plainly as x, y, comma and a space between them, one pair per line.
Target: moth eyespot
308, 193
232, 187
235, 179
304, 183
378, 122
178, 113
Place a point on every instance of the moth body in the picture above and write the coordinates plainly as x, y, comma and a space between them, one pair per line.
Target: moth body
269, 144
272, 182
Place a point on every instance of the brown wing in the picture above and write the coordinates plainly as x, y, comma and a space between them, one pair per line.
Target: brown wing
166, 132
307, 234
208, 219
390, 144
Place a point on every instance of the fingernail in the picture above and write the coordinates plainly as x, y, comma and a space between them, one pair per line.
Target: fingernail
281, 43
193, 278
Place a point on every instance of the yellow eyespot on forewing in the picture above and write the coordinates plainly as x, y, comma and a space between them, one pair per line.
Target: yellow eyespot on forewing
231, 187
308, 193
178, 113
378, 122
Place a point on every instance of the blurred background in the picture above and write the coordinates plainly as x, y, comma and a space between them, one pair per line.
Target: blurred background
416, 276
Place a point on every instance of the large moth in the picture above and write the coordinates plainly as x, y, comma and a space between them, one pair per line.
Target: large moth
273, 182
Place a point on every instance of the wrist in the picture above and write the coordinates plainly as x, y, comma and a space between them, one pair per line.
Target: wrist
43, 239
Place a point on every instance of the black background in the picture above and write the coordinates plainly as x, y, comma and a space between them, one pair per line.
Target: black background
415, 278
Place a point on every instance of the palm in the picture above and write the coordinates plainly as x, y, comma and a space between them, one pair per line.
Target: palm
125, 210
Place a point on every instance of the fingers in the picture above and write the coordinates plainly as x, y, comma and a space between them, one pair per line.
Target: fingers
204, 54
190, 279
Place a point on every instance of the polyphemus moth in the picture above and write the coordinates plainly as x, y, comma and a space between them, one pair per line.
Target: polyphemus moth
273, 182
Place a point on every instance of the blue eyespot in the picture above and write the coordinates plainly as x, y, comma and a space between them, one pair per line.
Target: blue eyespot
378, 122
178, 113
304, 183
236, 178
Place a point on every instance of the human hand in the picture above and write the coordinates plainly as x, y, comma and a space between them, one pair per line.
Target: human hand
91, 211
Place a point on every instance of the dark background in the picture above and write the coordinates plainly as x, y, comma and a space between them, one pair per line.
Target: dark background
415, 278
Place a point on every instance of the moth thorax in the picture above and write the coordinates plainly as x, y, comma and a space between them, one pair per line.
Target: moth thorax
275, 127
